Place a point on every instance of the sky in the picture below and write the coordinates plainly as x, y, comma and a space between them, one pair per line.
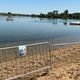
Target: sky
39, 6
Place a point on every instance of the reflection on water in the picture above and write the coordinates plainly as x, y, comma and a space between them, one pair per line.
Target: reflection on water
54, 22
9, 20
65, 23
22, 30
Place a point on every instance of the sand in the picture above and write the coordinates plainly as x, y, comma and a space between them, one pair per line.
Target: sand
66, 64
17, 66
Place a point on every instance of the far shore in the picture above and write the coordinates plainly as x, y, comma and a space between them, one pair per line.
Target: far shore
55, 14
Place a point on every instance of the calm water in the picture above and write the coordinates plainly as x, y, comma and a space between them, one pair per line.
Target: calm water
23, 30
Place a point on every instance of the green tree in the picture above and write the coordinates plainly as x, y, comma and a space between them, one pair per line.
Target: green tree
55, 14
50, 15
65, 14
9, 14
42, 15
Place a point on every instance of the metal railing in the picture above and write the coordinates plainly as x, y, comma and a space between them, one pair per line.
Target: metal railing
14, 65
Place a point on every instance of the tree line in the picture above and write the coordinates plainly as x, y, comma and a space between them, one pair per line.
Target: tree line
53, 14
56, 14
13, 14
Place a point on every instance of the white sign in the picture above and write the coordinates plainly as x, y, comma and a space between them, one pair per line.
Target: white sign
22, 50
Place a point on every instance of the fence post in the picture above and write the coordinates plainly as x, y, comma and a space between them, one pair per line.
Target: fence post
50, 55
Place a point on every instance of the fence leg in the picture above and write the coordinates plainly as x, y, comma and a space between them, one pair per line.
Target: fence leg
50, 55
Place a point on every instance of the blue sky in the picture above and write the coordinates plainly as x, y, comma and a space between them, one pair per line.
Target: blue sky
38, 6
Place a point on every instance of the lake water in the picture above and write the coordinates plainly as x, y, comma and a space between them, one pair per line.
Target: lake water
24, 30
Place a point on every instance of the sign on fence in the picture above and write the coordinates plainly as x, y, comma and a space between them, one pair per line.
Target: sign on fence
22, 50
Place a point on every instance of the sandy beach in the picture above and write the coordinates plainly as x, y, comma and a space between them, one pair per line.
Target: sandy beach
65, 65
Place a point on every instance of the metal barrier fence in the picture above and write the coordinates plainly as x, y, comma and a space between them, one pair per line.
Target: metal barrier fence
13, 64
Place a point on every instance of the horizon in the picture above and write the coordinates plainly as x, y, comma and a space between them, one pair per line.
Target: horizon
36, 14
38, 6
41, 12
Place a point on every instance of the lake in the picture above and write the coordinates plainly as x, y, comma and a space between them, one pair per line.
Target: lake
25, 30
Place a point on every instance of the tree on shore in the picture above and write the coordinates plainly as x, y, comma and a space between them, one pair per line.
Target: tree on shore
65, 14
9, 14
